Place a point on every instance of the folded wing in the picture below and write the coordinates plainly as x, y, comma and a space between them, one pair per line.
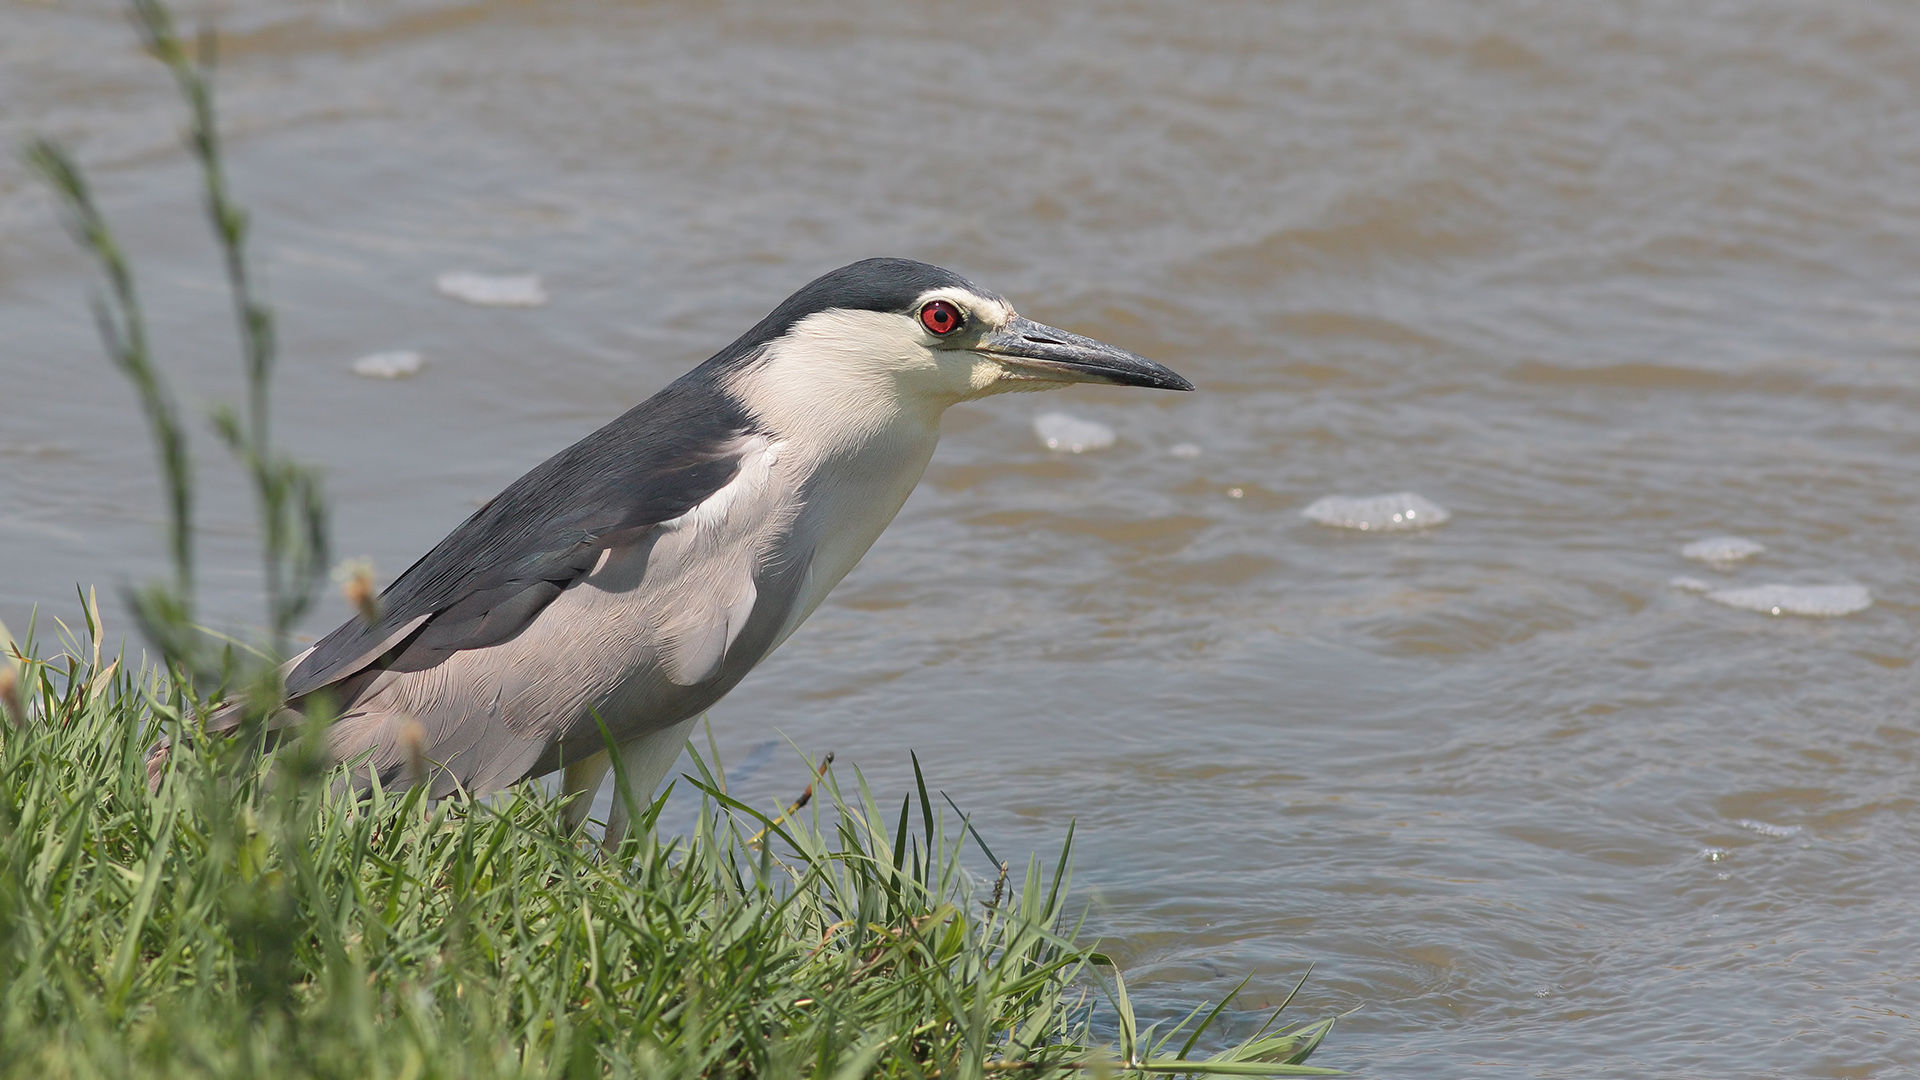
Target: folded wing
494, 574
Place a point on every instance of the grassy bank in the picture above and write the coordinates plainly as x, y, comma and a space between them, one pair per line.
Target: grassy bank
250, 916
248, 919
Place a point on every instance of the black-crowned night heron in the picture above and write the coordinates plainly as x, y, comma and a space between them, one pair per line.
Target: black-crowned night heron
634, 578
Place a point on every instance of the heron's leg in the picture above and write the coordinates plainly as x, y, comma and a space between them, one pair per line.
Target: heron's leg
645, 760
583, 779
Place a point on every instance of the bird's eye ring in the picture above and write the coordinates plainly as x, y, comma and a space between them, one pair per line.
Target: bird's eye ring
940, 317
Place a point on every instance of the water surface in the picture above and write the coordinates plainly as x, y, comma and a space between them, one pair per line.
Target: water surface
1601, 280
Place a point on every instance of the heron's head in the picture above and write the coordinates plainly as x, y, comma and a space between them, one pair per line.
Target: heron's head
897, 337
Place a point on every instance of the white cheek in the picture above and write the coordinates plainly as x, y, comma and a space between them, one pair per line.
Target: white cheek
840, 379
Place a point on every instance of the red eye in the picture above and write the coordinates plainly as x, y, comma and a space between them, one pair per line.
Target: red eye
940, 317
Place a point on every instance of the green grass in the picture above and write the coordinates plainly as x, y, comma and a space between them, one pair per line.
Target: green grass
251, 917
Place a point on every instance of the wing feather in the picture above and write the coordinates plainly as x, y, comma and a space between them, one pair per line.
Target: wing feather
502, 566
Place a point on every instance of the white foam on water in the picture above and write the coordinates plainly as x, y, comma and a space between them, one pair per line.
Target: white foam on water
1721, 550
399, 364
1072, 434
493, 290
1397, 512
1184, 450
1691, 584
1768, 828
1825, 601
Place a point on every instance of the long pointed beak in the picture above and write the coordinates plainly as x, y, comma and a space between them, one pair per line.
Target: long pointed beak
1055, 354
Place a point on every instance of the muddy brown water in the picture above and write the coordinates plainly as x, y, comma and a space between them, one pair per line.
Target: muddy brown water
1600, 279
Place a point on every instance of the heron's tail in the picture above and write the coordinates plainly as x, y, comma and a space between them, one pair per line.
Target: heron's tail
226, 720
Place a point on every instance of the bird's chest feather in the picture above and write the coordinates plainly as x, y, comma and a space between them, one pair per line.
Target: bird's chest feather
661, 627
846, 502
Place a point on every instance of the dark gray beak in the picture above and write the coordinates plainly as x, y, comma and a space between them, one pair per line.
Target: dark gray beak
1062, 357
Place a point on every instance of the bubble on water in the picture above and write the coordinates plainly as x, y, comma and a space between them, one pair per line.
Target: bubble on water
1825, 601
1397, 512
1071, 434
1714, 854
1184, 450
1690, 584
1722, 550
1767, 828
493, 290
398, 364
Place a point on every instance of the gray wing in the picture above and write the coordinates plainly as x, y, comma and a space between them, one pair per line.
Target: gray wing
491, 576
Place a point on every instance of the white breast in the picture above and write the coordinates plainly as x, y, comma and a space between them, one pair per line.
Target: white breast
851, 498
